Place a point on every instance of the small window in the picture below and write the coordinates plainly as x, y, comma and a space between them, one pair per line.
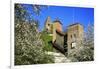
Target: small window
73, 45
48, 24
71, 36
74, 35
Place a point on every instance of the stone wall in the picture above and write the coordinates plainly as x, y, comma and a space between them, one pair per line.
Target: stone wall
75, 36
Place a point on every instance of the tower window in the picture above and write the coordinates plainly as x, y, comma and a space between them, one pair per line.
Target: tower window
73, 45
74, 35
48, 24
71, 36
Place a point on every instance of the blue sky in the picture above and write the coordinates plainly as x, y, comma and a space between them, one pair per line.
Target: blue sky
67, 15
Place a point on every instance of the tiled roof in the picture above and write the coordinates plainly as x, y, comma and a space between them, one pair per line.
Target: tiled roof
75, 24
57, 21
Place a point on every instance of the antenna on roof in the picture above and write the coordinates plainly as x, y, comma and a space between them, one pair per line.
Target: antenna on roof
57, 19
73, 15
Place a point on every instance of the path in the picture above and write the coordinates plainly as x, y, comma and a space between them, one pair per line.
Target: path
59, 58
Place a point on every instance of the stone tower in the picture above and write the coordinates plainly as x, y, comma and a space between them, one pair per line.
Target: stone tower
57, 29
48, 24
74, 37
52, 28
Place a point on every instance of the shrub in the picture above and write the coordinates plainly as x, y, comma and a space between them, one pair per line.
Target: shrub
29, 46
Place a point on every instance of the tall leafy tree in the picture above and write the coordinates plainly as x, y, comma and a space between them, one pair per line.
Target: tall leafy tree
28, 44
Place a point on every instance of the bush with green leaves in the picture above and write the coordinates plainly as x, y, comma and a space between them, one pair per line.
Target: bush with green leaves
28, 44
46, 38
86, 50
84, 54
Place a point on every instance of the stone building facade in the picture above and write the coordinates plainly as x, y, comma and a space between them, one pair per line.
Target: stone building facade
52, 28
73, 37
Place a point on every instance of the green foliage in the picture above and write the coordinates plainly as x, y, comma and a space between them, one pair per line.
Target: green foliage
84, 54
46, 38
86, 51
20, 13
28, 44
